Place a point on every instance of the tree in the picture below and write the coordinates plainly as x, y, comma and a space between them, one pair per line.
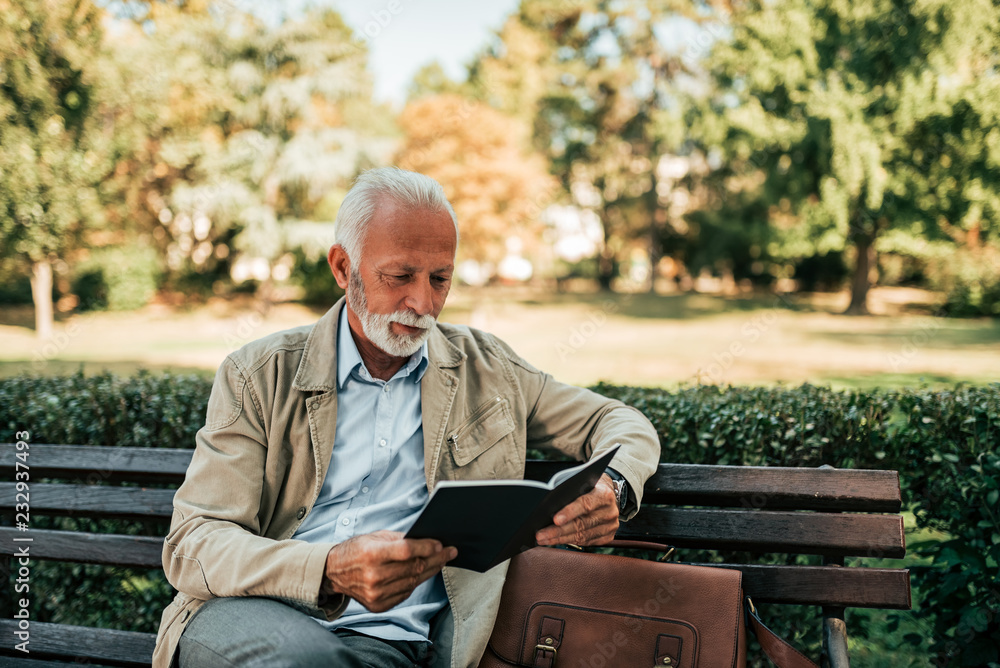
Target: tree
431, 79
56, 141
478, 155
863, 119
255, 137
597, 83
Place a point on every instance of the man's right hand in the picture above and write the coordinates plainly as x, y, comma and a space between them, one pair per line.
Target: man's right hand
381, 569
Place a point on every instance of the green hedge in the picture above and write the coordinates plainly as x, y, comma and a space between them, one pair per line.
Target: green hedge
117, 278
944, 443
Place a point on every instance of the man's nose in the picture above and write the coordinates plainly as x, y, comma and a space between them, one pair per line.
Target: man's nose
420, 298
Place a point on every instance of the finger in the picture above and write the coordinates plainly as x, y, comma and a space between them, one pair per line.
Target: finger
595, 535
602, 495
581, 529
417, 569
405, 549
396, 581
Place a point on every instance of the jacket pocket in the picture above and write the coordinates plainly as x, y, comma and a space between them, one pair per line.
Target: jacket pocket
486, 427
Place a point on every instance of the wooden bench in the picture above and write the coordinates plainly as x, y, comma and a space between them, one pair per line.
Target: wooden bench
835, 513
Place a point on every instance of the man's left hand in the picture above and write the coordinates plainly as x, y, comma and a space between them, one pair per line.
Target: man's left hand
590, 520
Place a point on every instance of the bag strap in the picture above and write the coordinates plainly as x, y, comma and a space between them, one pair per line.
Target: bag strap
777, 649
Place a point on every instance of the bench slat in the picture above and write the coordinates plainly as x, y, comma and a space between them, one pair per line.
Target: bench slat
762, 487
688, 484
832, 534
816, 585
58, 640
86, 548
101, 461
855, 587
93, 500
20, 662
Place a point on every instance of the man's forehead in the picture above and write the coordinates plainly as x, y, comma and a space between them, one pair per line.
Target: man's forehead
394, 222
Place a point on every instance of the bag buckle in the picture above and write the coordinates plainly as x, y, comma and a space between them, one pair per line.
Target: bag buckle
548, 648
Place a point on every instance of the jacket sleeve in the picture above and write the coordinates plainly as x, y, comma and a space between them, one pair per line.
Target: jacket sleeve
583, 424
215, 547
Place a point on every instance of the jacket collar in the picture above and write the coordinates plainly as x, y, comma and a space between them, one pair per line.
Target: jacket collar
317, 370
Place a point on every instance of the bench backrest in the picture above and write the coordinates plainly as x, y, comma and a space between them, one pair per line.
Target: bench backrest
835, 513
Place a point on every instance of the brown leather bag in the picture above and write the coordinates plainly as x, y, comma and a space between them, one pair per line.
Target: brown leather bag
568, 609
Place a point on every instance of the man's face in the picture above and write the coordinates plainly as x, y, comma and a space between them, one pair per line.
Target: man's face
399, 287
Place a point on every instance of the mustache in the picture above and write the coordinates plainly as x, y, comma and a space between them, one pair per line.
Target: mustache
411, 319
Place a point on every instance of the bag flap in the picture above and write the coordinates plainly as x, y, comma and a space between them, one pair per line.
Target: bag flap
629, 611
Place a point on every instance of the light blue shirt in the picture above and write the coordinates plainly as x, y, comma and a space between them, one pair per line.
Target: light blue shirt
376, 480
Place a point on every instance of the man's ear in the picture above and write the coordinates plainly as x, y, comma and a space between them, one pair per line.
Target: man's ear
340, 264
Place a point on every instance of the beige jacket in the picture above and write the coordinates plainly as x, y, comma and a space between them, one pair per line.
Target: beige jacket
261, 458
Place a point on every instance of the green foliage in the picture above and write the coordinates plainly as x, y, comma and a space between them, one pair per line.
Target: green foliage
15, 286
945, 444
250, 128
970, 280
596, 84
317, 281
145, 410
52, 148
117, 278
860, 119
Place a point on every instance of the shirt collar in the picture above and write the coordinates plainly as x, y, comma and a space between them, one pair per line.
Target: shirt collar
349, 360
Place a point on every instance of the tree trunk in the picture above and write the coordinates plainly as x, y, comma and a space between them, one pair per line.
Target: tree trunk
605, 270
862, 280
657, 217
41, 293
606, 260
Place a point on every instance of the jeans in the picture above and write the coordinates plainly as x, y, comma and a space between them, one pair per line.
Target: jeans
251, 632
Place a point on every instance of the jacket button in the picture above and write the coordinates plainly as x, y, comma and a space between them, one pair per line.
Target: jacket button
301, 513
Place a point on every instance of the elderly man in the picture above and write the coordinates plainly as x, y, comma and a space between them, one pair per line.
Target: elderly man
319, 447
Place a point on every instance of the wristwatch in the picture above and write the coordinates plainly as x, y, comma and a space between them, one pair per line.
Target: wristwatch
621, 488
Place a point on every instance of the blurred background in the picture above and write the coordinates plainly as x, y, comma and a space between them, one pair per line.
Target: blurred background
652, 193
771, 225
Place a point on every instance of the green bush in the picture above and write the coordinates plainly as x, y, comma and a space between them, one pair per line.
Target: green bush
316, 280
117, 278
970, 279
944, 443
15, 284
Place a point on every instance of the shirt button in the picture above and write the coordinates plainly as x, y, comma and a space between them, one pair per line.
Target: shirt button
345, 521
385, 388
382, 442
364, 490
301, 513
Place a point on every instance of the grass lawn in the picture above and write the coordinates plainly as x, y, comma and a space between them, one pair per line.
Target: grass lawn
653, 340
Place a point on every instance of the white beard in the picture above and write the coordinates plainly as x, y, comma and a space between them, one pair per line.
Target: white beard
378, 326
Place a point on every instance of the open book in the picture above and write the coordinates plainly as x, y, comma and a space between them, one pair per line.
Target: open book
490, 521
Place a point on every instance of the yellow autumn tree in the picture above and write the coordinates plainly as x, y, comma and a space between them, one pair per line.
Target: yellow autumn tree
479, 156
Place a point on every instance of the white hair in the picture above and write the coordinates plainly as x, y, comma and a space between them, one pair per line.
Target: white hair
408, 189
